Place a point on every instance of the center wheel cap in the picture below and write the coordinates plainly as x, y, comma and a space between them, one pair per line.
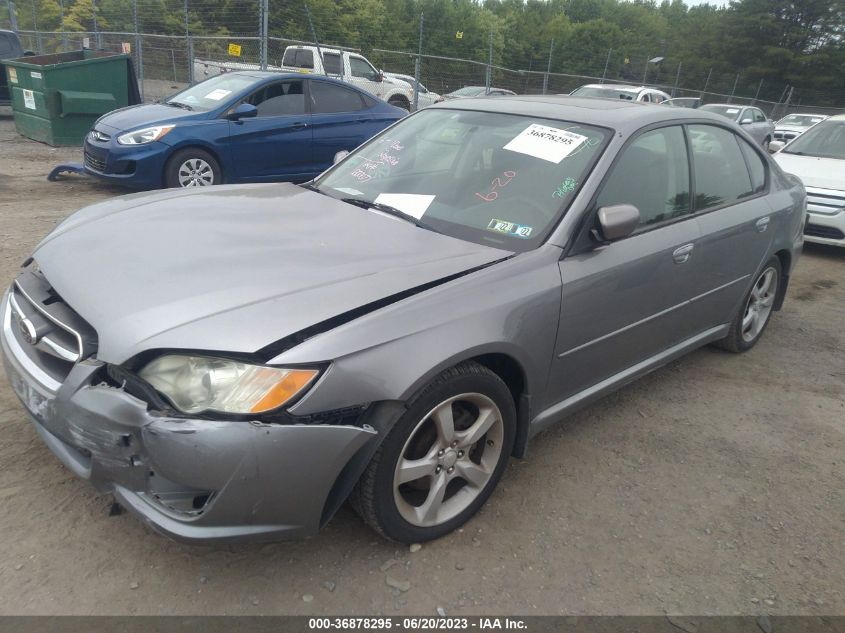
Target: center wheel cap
450, 458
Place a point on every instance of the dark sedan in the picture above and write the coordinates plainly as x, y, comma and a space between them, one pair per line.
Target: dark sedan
237, 127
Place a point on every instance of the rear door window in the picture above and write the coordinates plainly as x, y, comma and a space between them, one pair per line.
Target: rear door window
721, 174
331, 63
329, 97
756, 165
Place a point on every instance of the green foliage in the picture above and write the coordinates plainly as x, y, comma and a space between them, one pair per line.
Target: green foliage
782, 42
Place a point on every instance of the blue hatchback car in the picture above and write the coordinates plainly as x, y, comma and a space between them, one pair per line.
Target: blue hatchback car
235, 127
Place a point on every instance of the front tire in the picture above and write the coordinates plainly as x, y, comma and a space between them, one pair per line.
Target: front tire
192, 167
442, 459
751, 321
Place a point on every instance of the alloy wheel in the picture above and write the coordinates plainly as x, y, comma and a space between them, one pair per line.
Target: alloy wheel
760, 303
448, 459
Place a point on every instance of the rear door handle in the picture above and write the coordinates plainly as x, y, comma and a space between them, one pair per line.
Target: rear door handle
299, 126
762, 224
682, 253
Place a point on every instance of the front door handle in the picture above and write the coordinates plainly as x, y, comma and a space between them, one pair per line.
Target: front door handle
299, 126
762, 224
682, 253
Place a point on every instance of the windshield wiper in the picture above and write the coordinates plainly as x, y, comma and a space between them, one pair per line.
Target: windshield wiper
178, 104
387, 209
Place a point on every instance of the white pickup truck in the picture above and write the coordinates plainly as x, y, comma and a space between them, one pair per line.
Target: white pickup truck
350, 67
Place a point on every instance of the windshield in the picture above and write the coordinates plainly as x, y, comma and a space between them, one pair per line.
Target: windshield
801, 120
496, 179
605, 93
211, 93
730, 112
825, 140
469, 91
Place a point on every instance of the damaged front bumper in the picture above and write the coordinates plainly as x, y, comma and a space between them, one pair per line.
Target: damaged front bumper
192, 479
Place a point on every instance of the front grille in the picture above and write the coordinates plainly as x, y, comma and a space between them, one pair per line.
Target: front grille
785, 136
825, 201
51, 334
93, 162
827, 232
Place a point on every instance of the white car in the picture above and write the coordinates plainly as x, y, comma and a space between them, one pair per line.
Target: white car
626, 93
817, 157
794, 125
425, 98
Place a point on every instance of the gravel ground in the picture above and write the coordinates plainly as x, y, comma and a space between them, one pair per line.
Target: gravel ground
712, 486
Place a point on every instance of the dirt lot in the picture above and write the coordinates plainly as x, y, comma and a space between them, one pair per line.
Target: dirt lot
713, 486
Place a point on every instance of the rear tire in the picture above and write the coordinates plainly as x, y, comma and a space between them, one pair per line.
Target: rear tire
757, 307
192, 167
442, 459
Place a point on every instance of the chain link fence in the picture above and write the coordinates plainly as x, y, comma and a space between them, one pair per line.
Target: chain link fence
175, 43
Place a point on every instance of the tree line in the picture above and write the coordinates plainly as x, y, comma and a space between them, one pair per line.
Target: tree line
769, 44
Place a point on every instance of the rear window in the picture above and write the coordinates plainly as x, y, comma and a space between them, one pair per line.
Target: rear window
8, 48
298, 58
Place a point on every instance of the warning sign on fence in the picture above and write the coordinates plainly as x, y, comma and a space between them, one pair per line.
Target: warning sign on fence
126, 48
235, 50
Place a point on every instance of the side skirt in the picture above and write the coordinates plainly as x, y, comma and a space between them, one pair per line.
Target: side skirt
583, 398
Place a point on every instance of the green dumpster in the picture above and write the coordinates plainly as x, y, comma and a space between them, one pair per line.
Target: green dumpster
56, 98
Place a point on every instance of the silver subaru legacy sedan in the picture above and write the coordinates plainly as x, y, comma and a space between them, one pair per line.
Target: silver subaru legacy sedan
234, 363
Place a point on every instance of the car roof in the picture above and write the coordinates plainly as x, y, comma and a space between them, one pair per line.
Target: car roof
619, 115
729, 105
617, 87
823, 116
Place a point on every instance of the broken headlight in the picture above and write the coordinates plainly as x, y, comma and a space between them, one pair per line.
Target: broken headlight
194, 384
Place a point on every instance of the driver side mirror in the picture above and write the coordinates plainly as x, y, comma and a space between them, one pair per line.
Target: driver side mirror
340, 156
776, 146
617, 221
380, 75
244, 111
746, 121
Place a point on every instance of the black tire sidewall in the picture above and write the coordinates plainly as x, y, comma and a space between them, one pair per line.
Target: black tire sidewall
389, 519
171, 175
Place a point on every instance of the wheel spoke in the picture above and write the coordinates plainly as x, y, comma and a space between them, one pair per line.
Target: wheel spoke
412, 469
486, 418
445, 423
474, 474
427, 512
748, 319
768, 301
766, 283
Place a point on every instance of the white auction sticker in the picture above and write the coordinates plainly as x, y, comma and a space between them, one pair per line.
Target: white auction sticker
35, 75
29, 99
216, 95
547, 143
411, 203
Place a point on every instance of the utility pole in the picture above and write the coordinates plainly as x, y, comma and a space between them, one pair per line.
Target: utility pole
314, 36
706, 82
677, 80
13, 18
645, 71
264, 32
139, 49
757, 94
189, 45
97, 42
418, 66
733, 90
62, 25
548, 67
489, 78
606, 64
39, 44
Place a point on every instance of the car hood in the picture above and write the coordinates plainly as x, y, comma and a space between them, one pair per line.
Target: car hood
824, 173
236, 268
144, 115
